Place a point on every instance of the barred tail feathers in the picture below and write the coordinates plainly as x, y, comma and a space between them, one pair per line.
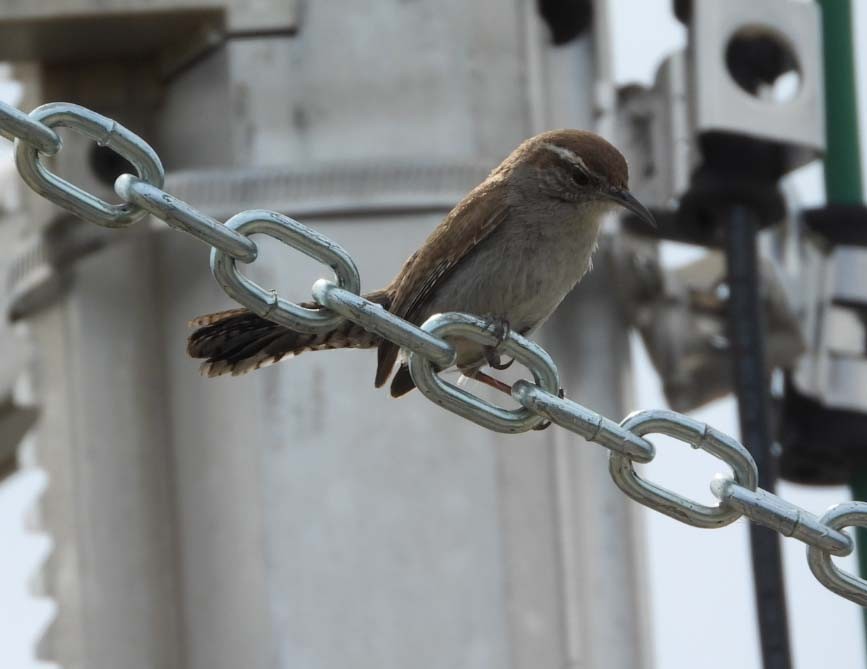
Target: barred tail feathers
238, 341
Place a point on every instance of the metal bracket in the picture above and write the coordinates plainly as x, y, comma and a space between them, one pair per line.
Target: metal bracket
681, 316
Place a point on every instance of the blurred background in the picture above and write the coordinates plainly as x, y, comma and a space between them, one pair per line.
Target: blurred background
297, 518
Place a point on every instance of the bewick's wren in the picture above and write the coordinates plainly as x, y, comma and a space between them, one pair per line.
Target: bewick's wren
510, 250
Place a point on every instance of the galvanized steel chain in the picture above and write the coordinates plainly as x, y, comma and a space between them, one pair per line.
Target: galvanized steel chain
429, 351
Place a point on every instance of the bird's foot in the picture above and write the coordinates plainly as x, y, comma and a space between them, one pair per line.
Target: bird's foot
545, 424
501, 329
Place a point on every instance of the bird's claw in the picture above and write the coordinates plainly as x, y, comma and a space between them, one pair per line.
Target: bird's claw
501, 330
545, 424
494, 361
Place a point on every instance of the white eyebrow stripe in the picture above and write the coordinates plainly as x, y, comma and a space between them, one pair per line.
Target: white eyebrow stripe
567, 155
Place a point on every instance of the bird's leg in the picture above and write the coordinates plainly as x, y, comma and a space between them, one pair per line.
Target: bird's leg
492, 355
490, 381
496, 384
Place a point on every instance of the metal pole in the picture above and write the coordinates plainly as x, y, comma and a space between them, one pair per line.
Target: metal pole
601, 532
843, 182
746, 330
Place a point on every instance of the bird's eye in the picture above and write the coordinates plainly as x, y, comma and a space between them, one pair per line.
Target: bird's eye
580, 177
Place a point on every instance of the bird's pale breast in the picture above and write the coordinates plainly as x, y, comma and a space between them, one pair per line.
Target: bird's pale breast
523, 270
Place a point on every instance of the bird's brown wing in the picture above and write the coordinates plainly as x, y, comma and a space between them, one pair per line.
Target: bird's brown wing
473, 219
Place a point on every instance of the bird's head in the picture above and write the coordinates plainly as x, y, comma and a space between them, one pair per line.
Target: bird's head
574, 166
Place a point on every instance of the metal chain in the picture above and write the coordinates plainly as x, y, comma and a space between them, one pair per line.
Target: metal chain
429, 351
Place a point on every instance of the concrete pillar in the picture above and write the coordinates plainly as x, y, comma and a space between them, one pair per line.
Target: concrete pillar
295, 517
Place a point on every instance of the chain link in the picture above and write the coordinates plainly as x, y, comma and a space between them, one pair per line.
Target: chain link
15, 124
181, 216
846, 585
767, 509
581, 420
464, 403
268, 304
373, 318
105, 132
429, 347
699, 436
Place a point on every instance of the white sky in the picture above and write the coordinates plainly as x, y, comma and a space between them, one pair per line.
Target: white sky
702, 607
701, 590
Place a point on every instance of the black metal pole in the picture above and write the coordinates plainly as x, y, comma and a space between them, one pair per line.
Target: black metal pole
746, 333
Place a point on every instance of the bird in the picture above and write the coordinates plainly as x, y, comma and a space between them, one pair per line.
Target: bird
509, 251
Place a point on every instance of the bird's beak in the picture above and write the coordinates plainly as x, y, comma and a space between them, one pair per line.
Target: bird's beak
626, 199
